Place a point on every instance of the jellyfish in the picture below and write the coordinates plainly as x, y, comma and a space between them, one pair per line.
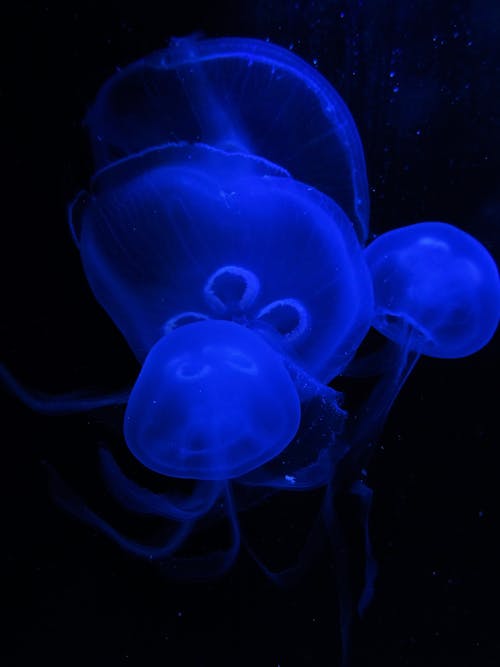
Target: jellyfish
240, 96
223, 232
185, 233
436, 289
437, 293
212, 401
189, 249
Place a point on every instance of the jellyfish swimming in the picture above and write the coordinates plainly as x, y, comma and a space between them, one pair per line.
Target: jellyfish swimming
212, 401
223, 232
436, 293
438, 286
241, 96
210, 234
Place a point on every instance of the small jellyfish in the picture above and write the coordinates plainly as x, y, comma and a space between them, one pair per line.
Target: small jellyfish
437, 293
436, 288
212, 401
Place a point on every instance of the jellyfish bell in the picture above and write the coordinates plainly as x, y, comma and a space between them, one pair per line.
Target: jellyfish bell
213, 401
188, 233
240, 96
436, 288
436, 293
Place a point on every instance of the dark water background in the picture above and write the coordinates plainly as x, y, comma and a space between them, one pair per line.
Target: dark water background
421, 79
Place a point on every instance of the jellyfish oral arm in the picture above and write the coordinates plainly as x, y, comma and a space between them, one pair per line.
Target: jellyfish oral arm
164, 552
59, 404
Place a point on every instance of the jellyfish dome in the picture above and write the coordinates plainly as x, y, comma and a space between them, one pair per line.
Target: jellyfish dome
438, 285
212, 401
189, 233
240, 96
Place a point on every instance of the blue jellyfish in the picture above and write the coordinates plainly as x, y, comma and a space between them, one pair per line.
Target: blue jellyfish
239, 283
436, 289
437, 293
223, 233
241, 96
208, 234
212, 401
242, 292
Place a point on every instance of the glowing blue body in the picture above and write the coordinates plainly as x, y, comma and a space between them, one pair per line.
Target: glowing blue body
213, 401
223, 235
184, 233
238, 95
435, 284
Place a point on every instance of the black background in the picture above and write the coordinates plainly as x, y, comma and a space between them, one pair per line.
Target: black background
431, 136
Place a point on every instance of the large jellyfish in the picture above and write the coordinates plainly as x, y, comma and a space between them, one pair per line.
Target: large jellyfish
241, 96
223, 233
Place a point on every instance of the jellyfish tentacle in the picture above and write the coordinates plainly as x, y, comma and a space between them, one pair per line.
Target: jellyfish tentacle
308, 554
364, 427
58, 404
210, 565
351, 602
343, 570
143, 501
215, 563
73, 504
365, 495
372, 364
73, 220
